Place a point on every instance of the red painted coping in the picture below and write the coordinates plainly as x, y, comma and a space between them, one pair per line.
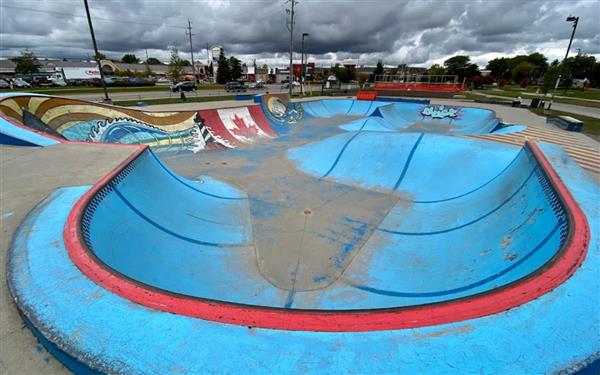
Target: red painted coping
530, 287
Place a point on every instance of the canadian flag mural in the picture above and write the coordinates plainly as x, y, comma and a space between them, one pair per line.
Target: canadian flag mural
240, 124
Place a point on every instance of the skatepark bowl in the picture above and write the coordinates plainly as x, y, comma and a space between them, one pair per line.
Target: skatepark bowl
331, 235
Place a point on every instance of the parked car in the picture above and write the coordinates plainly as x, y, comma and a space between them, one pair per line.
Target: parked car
19, 83
287, 85
258, 85
40, 82
163, 81
235, 86
4, 84
57, 82
184, 86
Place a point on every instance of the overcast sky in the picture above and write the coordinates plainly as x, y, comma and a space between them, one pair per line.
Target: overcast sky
418, 33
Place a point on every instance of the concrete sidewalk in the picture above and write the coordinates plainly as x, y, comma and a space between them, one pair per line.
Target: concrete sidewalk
28, 175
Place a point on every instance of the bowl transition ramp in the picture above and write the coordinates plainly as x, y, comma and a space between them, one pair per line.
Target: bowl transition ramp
102, 305
441, 253
406, 117
48, 120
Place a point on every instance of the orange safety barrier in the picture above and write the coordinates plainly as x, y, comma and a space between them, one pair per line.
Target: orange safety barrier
366, 95
410, 86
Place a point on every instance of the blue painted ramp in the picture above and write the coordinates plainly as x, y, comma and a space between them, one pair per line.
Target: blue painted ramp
407, 117
110, 334
12, 134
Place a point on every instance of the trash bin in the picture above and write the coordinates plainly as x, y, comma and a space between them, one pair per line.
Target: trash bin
535, 103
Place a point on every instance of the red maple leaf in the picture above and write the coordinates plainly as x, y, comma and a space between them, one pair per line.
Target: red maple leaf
242, 129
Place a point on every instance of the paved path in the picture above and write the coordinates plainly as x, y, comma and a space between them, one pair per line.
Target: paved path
141, 95
576, 109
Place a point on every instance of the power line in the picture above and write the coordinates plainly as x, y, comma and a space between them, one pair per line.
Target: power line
95, 18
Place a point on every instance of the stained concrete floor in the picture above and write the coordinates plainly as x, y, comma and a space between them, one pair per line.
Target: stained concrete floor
27, 176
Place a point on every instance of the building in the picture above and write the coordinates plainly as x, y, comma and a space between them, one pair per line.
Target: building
310, 70
47, 66
110, 68
50, 66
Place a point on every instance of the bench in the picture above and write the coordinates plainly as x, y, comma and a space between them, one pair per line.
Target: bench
565, 122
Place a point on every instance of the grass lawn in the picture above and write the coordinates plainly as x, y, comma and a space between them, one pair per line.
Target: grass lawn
591, 125
200, 99
99, 90
512, 92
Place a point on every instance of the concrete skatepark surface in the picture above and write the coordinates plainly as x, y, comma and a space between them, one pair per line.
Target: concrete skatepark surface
314, 219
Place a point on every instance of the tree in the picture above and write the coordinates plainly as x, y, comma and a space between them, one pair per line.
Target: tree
341, 73
379, 68
26, 63
153, 61
186, 63
461, 66
130, 58
595, 75
499, 68
553, 73
523, 72
581, 66
235, 68
175, 64
223, 75
378, 71
540, 61
436, 69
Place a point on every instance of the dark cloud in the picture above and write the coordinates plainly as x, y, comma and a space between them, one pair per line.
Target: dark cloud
411, 32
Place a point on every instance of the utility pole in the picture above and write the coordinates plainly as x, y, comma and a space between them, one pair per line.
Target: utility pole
147, 65
207, 56
290, 27
189, 32
96, 54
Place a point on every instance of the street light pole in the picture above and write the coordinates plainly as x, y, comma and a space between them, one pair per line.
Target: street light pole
96, 54
575, 20
303, 74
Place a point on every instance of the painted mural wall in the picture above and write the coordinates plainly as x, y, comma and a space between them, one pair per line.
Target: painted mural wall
77, 120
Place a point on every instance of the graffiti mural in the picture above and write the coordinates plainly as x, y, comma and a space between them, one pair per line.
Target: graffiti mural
281, 109
440, 111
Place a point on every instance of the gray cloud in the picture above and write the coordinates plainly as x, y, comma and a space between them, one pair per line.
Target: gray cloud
409, 32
